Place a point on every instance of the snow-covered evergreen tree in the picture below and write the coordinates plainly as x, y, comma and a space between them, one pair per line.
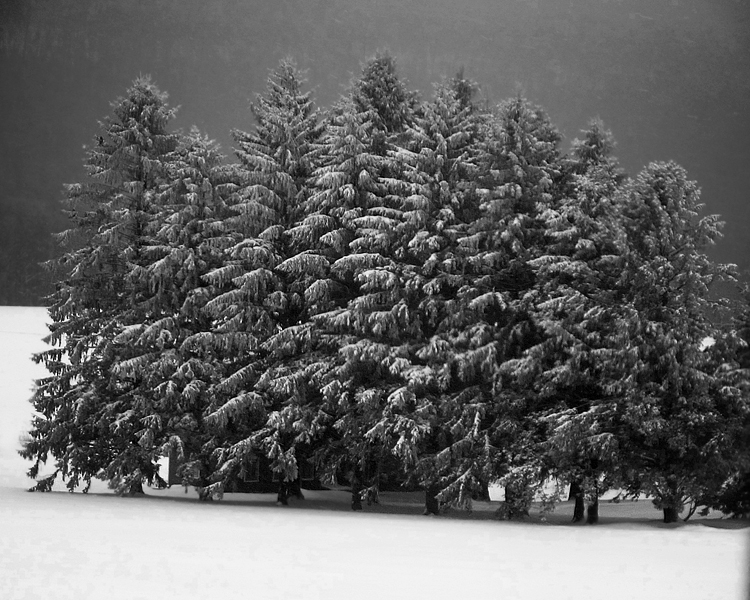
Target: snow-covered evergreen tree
731, 354
352, 230
289, 371
87, 419
353, 219
490, 323
680, 406
265, 276
175, 354
579, 310
436, 157
466, 90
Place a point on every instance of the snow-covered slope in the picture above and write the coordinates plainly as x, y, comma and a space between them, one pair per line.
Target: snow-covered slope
94, 546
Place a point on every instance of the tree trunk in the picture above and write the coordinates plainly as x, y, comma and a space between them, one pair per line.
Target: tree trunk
483, 494
136, 488
670, 514
592, 513
356, 490
295, 488
671, 501
592, 516
691, 511
576, 493
282, 498
431, 503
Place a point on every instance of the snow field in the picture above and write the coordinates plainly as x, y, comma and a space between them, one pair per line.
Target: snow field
21, 331
74, 546
168, 545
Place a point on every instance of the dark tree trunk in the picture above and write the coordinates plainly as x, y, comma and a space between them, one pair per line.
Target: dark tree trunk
576, 493
431, 503
282, 498
575, 489
295, 487
174, 463
592, 512
691, 511
482, 494
671, 501
136, 488
356, 490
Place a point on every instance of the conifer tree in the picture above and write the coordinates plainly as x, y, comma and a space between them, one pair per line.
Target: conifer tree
351, 230
176, 355
579, 310
679, 406
266, 275
444, 417
731, 355
436, 158
349, 224
88, 421
491, 322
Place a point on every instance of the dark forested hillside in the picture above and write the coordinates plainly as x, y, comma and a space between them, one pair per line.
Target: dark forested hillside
670, 79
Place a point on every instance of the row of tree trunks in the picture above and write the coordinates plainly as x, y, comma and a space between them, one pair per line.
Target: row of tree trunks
432, 504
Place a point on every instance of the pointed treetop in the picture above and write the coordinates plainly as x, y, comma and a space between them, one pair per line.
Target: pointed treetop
283, 88
524, 125
380, 90
145, 105
597, 145
465, 89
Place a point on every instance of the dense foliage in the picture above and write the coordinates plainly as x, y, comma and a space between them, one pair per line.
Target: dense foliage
400, 292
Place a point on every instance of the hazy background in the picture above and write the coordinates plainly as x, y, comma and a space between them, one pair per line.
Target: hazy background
671, 78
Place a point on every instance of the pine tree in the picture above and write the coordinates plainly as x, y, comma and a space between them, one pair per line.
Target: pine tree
175, 355
491, 325
264, 280
349, 224
350, 232
731, 355
579, 310
679, 408
89, 421
436, 157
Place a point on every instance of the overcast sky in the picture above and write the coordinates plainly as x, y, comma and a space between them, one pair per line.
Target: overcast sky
671, 79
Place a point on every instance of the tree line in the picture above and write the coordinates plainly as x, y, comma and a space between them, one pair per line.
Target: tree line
423, 291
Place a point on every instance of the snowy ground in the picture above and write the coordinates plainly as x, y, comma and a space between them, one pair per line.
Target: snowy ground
168, 545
